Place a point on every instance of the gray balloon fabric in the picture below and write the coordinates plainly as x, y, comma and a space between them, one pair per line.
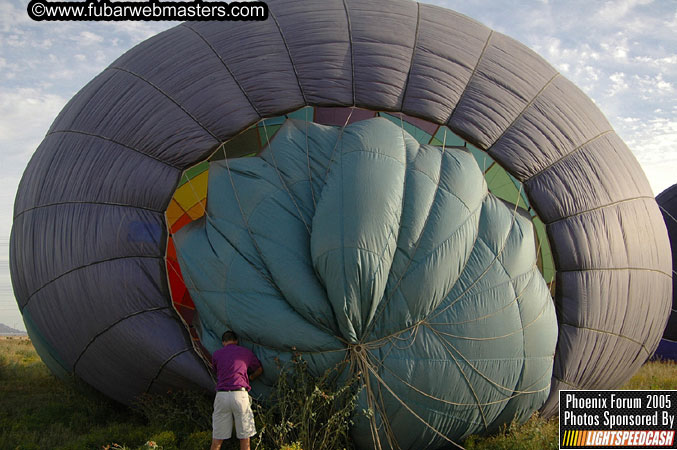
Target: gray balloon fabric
89, 235
667, 202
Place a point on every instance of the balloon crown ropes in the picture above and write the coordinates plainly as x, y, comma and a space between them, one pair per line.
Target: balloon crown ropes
360, 239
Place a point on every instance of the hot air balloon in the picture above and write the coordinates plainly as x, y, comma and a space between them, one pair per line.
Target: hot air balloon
426, 198
667, 202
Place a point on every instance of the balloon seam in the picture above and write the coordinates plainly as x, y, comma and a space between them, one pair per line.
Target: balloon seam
230, 72
291, 60
105, 330
465, 88
413, 56
84, 202
571, 153
597, 208
618, 335
170, 98
85, 133
352, 52
524, 110
82, 267
164, 364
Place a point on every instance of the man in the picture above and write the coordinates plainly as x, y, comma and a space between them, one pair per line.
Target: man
235, 366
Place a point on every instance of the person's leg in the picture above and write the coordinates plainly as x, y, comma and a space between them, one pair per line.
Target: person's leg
222, 420
243, 418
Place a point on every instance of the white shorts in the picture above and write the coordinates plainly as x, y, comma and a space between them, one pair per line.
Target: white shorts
232, 407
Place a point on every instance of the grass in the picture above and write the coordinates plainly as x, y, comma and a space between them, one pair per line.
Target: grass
536, 434
39, 411
655, 375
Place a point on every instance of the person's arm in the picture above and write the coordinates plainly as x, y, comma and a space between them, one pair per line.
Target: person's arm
254, 363
255, 374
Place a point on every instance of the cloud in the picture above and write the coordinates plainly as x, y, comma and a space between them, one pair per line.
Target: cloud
621, 53
615, 10
135, 32
89, 38
652, 87
26, 115
616, 47
654, 143
660, 62
13, 16
659, 135
619, 83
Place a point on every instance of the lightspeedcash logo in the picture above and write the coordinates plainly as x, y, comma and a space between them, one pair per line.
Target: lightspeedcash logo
618, 438
109, 10
617, 419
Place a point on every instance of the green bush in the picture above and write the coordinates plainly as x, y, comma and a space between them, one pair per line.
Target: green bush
308, 412
294, 446
182, 411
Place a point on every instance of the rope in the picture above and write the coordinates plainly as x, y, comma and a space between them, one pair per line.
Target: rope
477, 371
392, 231
470, 78
449, 402
197, 196
338, 139
362, 356
367, 370
503, 308
310, 172
266, 276
665, 211
512, 333
418, 241
499, 253
283, 183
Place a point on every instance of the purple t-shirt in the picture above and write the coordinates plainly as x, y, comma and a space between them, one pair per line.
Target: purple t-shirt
232, 364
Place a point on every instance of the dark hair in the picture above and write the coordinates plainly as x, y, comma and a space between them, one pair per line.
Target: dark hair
229, 336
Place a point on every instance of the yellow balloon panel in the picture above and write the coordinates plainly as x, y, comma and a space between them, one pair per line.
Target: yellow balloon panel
192, 192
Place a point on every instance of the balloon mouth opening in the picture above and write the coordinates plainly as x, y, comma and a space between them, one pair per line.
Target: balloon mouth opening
189, 200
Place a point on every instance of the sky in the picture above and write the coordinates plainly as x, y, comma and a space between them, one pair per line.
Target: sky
621, 53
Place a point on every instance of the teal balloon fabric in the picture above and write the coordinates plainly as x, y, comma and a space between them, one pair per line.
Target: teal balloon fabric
360, 244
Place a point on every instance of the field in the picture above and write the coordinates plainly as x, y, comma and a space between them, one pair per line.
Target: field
38, 411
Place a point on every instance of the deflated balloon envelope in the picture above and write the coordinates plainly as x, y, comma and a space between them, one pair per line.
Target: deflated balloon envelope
667, 201
361, 239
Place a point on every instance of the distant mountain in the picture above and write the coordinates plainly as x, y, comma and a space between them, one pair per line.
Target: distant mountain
5, 330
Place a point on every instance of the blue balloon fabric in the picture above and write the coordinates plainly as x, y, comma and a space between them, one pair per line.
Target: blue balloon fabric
667, 202
360, 243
